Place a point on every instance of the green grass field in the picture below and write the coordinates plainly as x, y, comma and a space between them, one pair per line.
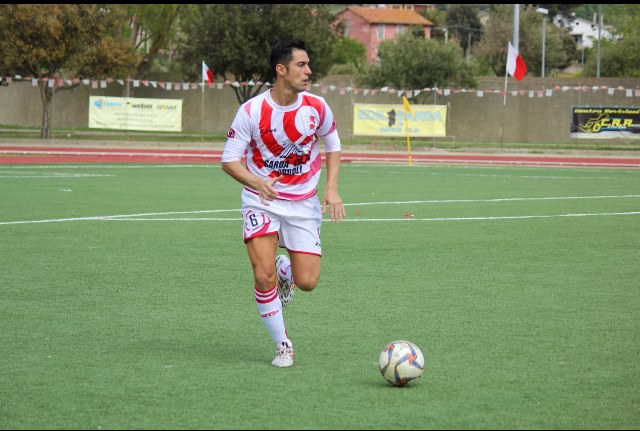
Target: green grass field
127, 301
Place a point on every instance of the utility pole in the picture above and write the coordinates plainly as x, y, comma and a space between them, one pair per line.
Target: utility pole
599, 36
544, 12
516, 27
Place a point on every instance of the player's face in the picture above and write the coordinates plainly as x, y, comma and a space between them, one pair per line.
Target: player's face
298, 71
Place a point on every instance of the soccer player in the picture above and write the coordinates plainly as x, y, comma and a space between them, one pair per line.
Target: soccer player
278, 132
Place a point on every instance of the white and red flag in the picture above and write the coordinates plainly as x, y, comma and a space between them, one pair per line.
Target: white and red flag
207, 74
515, 64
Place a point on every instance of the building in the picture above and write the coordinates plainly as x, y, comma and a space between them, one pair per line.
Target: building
584, 32
371, 26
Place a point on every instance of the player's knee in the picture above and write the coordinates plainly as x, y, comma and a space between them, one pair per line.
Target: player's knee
307, 282
265, 280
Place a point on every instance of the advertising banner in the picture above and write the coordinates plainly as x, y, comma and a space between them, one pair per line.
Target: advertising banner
126, 113
394, 121
602, 122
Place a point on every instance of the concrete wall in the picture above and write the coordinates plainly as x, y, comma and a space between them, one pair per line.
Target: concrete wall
471, 118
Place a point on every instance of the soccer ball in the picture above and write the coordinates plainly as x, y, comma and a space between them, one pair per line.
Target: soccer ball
401, 363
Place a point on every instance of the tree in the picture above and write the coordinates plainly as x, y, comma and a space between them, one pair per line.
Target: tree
411, 62
438, 18
561, 12
349, 51
620, 57
560, 47
492, 49
463, 24
153, 27
235, 40
73, 40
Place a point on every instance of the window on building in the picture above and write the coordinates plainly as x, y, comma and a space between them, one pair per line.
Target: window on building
380, 32
400, 28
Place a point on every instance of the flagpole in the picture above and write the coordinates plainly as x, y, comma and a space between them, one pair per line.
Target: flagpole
202, 108
515, 67
406, 128
504, 110
202, 113
407, 110
505, 89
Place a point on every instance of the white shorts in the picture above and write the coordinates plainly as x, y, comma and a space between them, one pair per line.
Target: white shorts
297, 223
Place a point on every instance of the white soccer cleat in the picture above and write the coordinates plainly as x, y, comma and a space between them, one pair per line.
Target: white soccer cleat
285, 287
284, 356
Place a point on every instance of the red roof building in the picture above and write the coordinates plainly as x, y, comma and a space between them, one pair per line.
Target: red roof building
371, 26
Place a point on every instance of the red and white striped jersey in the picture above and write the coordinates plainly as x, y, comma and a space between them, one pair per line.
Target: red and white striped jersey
282, 140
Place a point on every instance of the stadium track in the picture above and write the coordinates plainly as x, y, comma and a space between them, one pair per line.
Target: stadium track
10, 154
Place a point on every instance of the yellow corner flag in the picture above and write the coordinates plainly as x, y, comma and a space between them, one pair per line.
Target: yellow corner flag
407, 107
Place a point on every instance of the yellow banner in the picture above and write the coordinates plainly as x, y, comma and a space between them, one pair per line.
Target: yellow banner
389, 120
126, 113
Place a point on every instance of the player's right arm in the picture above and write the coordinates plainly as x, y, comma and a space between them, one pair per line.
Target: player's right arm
238, 139
264, 187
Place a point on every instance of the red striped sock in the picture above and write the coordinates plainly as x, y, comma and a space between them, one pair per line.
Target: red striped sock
270, 309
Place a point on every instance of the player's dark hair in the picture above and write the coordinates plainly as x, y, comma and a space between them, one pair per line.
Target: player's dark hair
282, 53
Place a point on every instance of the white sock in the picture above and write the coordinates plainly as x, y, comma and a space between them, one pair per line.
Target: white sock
284, 269
270, 309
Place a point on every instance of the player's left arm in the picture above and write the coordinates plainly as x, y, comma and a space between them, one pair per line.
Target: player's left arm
331, 196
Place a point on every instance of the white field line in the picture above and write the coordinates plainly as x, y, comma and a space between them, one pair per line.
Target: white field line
16, 173
399, 158
406, 219
12, 171
471, 161
115, 217
494, 200
111, 153
352, 166
349, 158
53, 175
93, 166
552, 177
143, 216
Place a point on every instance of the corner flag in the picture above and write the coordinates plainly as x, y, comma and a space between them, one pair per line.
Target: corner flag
407, 107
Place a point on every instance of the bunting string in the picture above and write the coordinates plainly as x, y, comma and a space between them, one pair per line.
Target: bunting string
324, 88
